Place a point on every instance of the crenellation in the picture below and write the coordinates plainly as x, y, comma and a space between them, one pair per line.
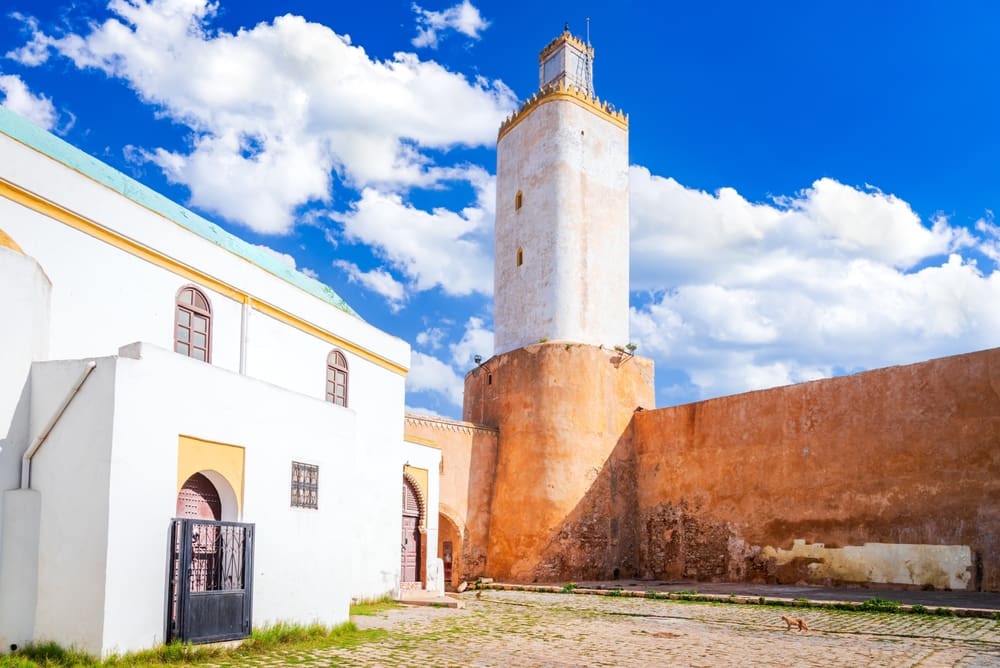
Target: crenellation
568, 38
563, 91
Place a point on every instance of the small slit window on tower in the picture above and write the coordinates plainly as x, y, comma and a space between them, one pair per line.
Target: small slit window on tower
518, 200
520, 256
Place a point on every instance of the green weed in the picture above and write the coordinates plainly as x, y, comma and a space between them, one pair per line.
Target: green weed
879, 605
373, 606
286, 637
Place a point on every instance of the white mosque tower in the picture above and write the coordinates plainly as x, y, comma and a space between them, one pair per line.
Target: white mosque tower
562, 214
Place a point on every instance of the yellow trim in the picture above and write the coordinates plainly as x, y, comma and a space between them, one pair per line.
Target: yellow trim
49, 209
319, 332
195, 455
569, 94
7, 242
422, 441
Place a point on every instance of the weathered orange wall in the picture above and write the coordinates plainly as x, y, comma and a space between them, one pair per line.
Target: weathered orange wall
905, 455
564, 478
468, 458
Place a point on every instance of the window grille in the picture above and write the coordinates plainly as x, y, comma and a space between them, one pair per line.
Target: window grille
305, 485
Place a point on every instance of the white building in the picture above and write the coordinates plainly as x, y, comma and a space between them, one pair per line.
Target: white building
155, 366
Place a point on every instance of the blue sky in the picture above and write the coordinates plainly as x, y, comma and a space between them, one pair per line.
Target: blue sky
813, 184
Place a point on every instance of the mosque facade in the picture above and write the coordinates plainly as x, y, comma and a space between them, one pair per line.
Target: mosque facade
191, 430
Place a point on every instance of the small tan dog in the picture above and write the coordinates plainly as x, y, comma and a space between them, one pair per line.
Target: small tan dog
795, 621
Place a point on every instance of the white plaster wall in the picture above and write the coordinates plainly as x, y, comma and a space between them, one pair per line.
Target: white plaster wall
301, 566
71, 474
572, 167
103, 298
379, 401
377, 398
24, 294
24, 338
19, 566
107, 480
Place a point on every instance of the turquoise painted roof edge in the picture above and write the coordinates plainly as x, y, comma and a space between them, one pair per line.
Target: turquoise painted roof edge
62, 151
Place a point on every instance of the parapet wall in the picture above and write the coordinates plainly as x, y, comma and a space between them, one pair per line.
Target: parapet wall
886, 477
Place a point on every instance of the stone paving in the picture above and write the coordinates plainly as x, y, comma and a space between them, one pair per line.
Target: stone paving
517, 628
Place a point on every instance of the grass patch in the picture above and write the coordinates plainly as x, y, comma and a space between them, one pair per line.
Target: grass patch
47, 654
569, 587
879, 605
617, 591
373, 606
281, 636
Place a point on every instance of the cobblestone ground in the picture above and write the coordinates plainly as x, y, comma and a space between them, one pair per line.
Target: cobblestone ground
514, 629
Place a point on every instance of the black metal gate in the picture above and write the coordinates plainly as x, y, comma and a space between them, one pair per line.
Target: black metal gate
210, 580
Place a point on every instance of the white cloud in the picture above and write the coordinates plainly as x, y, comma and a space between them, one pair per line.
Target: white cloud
432, 374
276, 108
429, 374
834, 279
431, 338
439, 248
990, 246
463, 18
18, 98
477, 340
376, 280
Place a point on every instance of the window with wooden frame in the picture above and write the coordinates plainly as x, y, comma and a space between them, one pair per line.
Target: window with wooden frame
518, 200
520, 256
336, 378
305, 485
193, 324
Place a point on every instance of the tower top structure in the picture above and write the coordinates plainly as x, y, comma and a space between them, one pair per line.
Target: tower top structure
567, 61
561, 227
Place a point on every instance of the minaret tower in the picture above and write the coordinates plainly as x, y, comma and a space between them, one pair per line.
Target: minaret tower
561, 267
563, 382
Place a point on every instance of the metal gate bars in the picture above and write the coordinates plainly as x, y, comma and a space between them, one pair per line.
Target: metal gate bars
210, 580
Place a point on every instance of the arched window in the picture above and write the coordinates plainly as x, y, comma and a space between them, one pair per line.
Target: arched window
193, 325
518, 200
520, 256
336, 378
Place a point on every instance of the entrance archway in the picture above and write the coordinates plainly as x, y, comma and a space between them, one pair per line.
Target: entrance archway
410, 541
450, 549
209, 580
199, 498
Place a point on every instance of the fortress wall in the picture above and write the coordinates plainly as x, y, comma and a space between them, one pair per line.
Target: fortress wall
888, 476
